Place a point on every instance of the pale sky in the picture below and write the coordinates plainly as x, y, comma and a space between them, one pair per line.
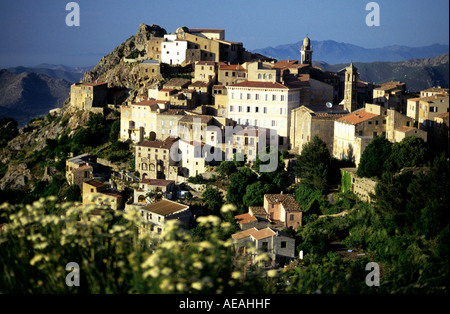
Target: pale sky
34, 31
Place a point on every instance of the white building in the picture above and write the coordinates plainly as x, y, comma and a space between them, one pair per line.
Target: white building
193, 156
263, 104
173, 50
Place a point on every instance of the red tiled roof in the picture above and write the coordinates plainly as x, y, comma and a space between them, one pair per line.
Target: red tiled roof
243, 234
149, 102
95, 183
245, 218
157, 182
263, 233
357, 117
166, 144
288, 201
257, 84
232, 67
165, 207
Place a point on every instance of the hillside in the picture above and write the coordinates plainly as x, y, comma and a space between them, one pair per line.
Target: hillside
333, 52
113, 70
418, 74
69, 74
27, 95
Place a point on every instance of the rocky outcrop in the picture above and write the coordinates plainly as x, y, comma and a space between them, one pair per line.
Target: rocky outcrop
116, 73
16, 177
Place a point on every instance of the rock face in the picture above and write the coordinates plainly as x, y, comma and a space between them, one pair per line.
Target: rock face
110, 69
16, 177
27, 95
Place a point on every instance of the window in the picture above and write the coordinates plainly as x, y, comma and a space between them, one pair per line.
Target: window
274, 123
249, 96
283, 244
256, 109
291, 217
274, 97
282, 97
240, 109
265, 110
248, 108
231, 108
256, 96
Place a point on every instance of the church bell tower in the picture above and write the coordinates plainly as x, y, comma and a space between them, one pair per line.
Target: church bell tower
306, 52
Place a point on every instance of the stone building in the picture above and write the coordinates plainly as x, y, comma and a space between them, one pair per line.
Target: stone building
154, 216
88, 95
80, 169
165, 187
150, 69
229, 74
154, 161
279, 246
308, 121
97, 193
353, 132
264, 104
424, 109
391, 95
138, 120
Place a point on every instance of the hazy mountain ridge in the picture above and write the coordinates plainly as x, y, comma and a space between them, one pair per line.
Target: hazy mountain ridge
27, 95
69, 74
333, 52
418, 74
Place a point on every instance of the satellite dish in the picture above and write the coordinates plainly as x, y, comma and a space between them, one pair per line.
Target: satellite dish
329, 105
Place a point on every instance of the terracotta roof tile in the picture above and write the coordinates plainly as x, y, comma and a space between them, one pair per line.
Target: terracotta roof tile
165, 207
287, 200
157, 182
357, 117
245, 218
243, 234
257, 84
166, 144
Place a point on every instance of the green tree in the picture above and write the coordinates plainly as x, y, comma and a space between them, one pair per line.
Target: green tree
313, 164
238, 185
213, 199
254, 194
410, 152
73, 193
227, 168
373, 159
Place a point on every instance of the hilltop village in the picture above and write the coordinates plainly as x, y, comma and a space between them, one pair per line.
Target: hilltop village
203, 101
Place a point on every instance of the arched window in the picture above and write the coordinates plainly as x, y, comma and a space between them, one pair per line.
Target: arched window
259, 76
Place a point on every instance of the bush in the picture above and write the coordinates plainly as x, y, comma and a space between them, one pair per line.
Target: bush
38, 242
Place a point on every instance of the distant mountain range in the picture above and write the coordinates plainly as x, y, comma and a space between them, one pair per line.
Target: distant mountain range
70, 74
28, 95
332, 52
418, 74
